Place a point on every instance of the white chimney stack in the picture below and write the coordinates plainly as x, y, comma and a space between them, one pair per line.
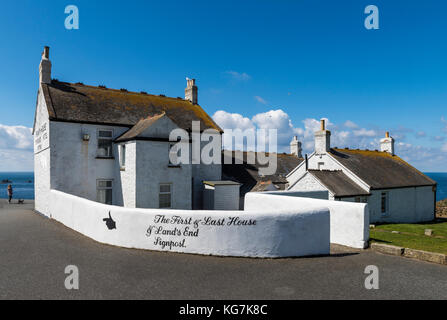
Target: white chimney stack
45, 66
387, 144
295, 147
191, 91
322, 139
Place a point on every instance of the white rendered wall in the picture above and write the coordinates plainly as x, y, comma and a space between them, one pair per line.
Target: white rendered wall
127, 177
349, 221
308, 183
41, 137
75, 168
278, 232
152, 168
406, 205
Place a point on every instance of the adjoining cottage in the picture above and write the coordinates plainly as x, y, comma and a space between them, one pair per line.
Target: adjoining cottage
112, 146
249, 176
394, 190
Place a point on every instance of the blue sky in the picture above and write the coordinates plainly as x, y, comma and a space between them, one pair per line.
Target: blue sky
293, 61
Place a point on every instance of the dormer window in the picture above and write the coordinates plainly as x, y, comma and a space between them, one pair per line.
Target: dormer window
105, 143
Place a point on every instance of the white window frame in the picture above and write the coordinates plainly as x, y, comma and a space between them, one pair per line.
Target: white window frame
104, 138
164, 193
98, 189
122, 156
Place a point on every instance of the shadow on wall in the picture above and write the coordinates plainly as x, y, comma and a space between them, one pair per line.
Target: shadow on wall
349, 221
282, 231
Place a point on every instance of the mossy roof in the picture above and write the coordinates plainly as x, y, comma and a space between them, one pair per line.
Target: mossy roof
99, 105
381, 170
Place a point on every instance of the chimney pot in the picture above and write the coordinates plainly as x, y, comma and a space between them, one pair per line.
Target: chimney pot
191, 91
387, 134
45, 66
323, 125
46, 53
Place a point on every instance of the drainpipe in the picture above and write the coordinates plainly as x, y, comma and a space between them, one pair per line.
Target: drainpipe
307, 163
434, 195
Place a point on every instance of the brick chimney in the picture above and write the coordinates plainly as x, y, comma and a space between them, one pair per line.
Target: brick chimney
322, 139
45, 66
387, 144
191, 91
295, 147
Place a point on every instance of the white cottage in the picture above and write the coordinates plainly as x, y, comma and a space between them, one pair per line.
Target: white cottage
113, 146
394, 190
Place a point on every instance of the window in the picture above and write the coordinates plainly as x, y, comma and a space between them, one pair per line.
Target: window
361, 199
384, 203
122, 154
164, 199
104, 191
173, 155
105, 143
320, 165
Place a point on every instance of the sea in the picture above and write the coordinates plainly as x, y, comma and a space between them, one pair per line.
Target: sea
23, 184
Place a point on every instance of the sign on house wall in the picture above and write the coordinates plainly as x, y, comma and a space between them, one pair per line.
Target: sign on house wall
41, 141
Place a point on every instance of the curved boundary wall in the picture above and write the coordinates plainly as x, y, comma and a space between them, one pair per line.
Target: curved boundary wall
266, 231
349, 221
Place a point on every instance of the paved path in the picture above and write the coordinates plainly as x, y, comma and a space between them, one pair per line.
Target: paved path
34, 252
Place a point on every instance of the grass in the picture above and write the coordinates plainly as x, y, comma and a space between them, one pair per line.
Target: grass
412, 236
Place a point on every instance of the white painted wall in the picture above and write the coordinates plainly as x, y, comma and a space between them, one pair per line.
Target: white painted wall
349, 221
75, 168
152, 168
41, 137
407, 205
74, 164
308, 183
282, 231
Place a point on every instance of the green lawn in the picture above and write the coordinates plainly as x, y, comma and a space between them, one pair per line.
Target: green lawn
412, 236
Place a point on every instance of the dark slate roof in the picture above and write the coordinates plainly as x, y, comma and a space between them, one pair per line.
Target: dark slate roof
88, 104
139, 128
381, 170
338, 183
248, 174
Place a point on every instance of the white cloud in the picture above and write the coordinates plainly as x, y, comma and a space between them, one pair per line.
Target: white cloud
351, 125
348, 134
364, 133
16, 148
16, 137
444, 122
232, 120
421, 134
260, 100
240, 76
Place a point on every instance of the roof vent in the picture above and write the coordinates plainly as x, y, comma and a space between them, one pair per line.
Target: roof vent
123, 90
143, 92
102, 86
162, 95
79, 83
